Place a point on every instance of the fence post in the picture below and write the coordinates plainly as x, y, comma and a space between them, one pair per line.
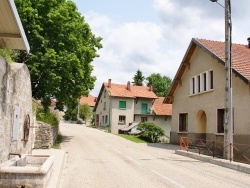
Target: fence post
180, 143
230, 145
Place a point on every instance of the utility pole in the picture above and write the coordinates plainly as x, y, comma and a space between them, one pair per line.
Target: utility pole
228, 119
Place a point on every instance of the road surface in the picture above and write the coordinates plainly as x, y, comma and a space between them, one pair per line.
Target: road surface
96, 159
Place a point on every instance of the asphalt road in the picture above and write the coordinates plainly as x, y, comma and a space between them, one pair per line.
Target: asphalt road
96, 159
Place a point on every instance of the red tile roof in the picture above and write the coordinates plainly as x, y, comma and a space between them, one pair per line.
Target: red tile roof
240, 55
89, 100
120, 90
161, 108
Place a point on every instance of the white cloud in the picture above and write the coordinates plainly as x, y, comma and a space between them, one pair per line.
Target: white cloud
158, 47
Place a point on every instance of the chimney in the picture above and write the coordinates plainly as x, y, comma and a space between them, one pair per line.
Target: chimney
248, 39
128, 85
150, 87
109, 83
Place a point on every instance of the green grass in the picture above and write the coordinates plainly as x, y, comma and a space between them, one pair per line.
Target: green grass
132, 138
57, 142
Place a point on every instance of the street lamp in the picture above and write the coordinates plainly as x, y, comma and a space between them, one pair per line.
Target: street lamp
228, 115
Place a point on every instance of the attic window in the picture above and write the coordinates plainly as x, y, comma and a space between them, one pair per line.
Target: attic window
201, 83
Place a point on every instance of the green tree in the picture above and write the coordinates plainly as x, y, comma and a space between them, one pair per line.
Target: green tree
161, 84
8, 54
138, 78
71, 110
150, 131
62, 49
85, 112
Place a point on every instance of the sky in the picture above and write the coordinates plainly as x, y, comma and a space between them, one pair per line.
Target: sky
153, 35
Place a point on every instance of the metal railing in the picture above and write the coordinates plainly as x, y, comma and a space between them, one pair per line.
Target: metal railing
216, 149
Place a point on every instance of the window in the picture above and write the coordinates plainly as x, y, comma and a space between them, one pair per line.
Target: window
144, 119
104, 106
183, 122
202, 82
106, 119
199, 83
144, 108
122, 120
122, 104
211, 80
105, 93
220, 121
103, 120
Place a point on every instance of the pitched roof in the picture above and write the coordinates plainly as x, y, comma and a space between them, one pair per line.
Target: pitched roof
240, 61
12, 35
120, 90
161, 108
89, 100
240, 55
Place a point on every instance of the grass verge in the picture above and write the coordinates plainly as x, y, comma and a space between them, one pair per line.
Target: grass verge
58, 141
132, 138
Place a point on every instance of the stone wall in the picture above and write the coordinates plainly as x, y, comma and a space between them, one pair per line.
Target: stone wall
15, 107
45, 135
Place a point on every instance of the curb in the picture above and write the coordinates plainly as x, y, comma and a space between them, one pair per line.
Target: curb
241, 167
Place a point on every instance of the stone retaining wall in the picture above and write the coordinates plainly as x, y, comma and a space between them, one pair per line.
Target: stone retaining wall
45, 135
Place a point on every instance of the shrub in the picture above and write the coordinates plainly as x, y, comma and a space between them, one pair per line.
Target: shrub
46, 117
150, 131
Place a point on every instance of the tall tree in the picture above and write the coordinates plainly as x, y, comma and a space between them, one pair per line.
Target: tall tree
160, 83
138, 78
62, 49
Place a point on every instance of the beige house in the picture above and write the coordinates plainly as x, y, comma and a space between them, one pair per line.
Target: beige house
119, 105
198, 93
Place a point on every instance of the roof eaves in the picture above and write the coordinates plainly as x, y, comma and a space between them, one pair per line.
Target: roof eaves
184, 64
219, 60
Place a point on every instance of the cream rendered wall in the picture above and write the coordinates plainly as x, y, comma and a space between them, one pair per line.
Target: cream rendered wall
210, 101
241, 104
116, 112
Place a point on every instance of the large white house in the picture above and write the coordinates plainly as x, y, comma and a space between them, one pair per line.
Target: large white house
119, 105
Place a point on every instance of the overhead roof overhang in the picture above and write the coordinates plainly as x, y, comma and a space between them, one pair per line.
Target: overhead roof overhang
12, 35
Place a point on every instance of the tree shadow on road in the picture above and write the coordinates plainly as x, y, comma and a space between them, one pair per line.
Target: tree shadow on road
66, 138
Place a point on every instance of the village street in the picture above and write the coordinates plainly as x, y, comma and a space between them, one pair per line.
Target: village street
98, 159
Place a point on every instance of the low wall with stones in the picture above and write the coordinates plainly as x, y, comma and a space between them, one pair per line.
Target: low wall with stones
45, 135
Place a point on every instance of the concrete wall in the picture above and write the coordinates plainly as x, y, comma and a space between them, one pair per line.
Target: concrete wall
205, 104
15, 105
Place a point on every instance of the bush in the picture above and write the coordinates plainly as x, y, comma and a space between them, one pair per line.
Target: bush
46, 117
150, 131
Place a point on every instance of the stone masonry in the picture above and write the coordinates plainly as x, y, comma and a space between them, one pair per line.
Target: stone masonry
45, 135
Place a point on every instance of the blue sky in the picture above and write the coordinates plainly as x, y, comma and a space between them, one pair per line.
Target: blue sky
153, 35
